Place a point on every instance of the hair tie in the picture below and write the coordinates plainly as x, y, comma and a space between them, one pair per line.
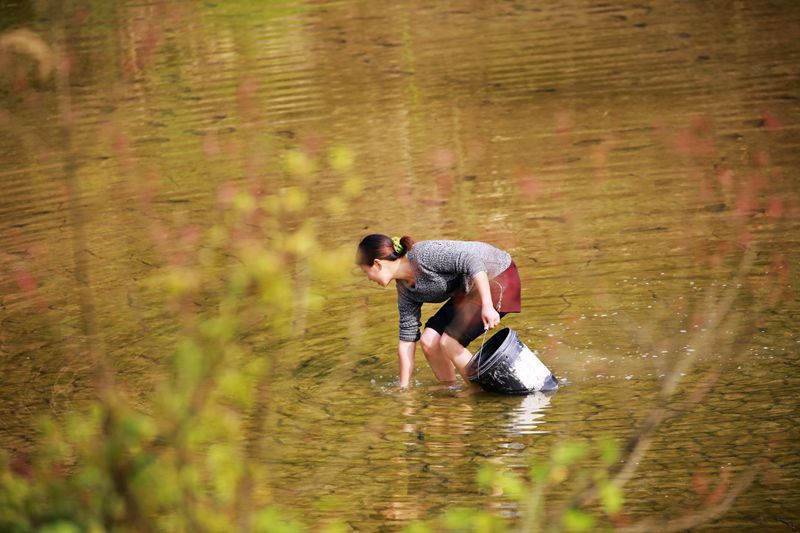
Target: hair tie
396, 245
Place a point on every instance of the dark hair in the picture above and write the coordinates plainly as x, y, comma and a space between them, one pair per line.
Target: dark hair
378, 246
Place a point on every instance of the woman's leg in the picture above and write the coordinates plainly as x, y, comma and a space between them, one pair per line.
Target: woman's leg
457, 354
466, 326
439, 362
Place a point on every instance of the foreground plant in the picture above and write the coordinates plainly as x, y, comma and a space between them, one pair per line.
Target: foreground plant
187, 460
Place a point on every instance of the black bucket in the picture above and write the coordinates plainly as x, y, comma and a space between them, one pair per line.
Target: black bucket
504, 364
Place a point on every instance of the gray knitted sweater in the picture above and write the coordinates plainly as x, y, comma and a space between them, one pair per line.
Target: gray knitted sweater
441, 268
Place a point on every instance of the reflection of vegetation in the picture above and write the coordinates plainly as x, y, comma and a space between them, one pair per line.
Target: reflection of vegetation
189, 459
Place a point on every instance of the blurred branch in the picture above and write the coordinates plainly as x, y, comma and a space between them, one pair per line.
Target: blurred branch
718, 311
639, 444
699, 517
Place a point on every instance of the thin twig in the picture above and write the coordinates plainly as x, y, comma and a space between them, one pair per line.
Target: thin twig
640, 443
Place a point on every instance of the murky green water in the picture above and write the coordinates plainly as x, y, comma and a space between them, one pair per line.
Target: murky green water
593, 141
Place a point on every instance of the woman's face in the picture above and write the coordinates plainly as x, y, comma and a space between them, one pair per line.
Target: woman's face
378, 271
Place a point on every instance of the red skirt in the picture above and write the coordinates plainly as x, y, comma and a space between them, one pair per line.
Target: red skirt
461, 318
505, 288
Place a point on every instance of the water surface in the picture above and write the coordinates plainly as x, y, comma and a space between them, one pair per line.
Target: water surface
607, 147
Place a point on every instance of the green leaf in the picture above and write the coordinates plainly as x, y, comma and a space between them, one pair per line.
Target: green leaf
302, 241
575, 520
459, 519
244, 203
269, 520
568, 453
540, 471
341, 158
61, 527
488, 523
298, 164
463, 519
189, 362
609, 451
418, 527
512, 486
294, 199
237, 387
611, 496
221, 328
224, 465
486, 476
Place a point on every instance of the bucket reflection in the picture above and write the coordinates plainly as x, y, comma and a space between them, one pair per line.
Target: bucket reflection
527, 417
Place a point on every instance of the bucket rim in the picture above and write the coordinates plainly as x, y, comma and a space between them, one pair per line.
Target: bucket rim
476, 361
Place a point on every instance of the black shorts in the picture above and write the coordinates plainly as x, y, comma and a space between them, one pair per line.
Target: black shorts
461, 321
461, 317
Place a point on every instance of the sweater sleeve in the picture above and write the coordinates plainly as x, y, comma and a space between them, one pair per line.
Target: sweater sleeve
410, 317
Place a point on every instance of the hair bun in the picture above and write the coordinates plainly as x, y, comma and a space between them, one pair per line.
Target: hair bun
397, 245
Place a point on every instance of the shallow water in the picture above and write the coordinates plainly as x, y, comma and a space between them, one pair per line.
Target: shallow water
595, 142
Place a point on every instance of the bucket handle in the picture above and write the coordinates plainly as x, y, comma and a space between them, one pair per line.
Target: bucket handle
486, 330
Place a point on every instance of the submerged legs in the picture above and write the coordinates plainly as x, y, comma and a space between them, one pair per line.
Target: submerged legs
445, 355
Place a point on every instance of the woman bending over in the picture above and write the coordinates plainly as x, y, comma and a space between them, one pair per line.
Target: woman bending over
479, 282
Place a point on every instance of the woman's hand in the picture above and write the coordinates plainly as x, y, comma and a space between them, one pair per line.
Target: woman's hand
490, 316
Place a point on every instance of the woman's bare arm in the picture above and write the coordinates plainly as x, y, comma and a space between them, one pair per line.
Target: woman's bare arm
489, 314
405, 357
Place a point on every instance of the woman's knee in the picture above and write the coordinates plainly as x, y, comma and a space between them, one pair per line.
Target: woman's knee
430, 341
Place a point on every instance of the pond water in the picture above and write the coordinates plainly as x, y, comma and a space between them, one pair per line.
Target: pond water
624, 153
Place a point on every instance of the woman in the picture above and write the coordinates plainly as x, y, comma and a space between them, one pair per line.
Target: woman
480, 283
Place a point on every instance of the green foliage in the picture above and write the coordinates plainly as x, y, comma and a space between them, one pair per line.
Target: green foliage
567, 453
461, 520
575, 520
574, 468
611, 497
270, 520
469, 520
492, 479
186, 460
609, 451
299, 164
